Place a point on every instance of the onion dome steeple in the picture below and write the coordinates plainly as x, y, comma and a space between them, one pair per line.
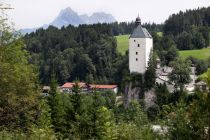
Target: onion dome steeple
138, 21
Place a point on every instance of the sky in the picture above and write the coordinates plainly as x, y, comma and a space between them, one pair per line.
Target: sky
35, 13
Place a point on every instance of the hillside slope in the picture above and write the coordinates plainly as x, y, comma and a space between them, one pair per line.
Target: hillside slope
200, 54
122, 43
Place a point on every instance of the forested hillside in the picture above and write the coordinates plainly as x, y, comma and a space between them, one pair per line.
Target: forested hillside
87, 53
182, 21
124, 28
189, 29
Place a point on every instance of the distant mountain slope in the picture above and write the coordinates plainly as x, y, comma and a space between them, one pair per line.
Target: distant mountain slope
68, 16
27, 30
98, 17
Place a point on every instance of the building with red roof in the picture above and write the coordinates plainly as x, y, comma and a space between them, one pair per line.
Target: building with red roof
67, 87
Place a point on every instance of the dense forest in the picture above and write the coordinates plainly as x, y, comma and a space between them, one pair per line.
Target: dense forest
86, 53
182, 21
189, 29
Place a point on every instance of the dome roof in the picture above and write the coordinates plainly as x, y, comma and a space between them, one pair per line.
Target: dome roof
138, 20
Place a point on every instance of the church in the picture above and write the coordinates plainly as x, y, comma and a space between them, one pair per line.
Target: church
140, 48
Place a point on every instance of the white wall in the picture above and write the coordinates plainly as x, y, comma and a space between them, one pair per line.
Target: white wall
149, 48
146, 44
115, 90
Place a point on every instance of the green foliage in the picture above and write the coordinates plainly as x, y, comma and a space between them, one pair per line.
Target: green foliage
58, 105
125, 28
206, 77
87, 52
110, 98
73, 118
35, 134
133, 123
23, 113
121, 71
150, 74
44, 121
199, 41
201, 66
190, 29
199, 113
130, 131
189, 120
18, 87
163, 95
194, 39
184, 41
105, 127
153, 112
165, 48
179, 128
180, 74
183, 21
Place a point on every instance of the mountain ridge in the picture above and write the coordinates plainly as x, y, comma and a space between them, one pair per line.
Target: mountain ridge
68, 16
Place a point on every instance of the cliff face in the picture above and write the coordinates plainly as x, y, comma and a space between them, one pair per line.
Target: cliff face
131, 93
149, 98
136, 93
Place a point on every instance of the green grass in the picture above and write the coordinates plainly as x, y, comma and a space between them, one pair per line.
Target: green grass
200, 54
160, 34
122, 43
122, 47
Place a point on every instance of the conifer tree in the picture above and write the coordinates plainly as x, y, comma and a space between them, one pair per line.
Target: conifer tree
57, 106
74, 112
150, 75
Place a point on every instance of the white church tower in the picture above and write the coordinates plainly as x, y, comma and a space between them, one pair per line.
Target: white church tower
140, 47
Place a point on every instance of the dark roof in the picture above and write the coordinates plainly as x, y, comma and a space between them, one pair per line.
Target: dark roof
138, 20
140, 32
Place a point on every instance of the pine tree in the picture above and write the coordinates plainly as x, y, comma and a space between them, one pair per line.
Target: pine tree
150, 75
74, 113
57, 106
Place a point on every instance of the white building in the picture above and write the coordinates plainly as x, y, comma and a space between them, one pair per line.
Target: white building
140, 46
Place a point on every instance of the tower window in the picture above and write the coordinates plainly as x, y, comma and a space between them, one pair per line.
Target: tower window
138, 45
134, 40
136, 59
136, 53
